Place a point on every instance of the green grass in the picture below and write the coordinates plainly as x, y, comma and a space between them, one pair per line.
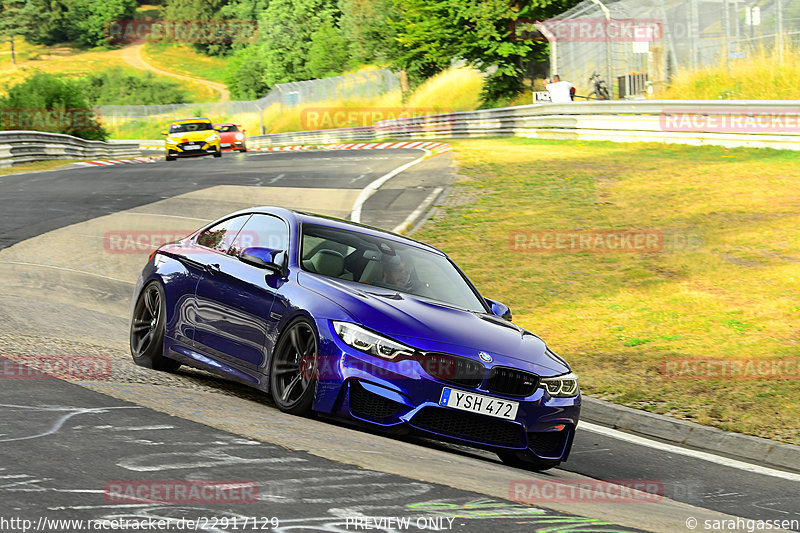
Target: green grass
182, 59
725, 285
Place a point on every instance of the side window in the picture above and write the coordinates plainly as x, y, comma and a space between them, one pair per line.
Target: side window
262, 231
220, 236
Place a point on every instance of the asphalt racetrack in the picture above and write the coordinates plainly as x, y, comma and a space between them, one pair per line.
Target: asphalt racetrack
71, 246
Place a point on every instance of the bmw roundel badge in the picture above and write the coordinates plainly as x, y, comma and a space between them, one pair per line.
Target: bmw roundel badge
485, 357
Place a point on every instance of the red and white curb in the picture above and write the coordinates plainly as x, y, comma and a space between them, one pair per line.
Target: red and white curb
109, 162
435, 147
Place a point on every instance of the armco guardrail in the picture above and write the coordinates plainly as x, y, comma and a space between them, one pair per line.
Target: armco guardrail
17, 147
732, 123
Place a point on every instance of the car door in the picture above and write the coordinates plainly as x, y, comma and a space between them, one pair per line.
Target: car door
195, 257
234, 299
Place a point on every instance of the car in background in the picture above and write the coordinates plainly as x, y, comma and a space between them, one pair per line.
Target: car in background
333, 317
232, 136
191, 137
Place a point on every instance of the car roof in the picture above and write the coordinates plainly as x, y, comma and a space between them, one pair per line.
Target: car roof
196, 119
303, 217
225, 124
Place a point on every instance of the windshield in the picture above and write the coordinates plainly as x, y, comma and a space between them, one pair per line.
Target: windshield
353, 256
190, 126
227, 128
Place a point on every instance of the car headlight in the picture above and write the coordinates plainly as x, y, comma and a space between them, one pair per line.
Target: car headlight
564, 386
211, 138
170, 141
239, 136
370, 342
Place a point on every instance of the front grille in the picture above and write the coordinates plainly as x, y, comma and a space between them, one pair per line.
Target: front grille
366, 404
477, 428
453, 369
549, 443
512, 382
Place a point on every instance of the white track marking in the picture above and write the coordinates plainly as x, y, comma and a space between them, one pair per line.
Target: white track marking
414, 214
370, 189
670, 448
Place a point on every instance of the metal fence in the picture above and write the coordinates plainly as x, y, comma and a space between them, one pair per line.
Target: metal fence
730, 123
359, 85
616, 38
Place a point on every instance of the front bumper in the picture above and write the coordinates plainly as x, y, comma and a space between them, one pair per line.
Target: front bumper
403, 397
191, 149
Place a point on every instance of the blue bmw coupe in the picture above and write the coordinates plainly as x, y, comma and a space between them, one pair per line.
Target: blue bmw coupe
334, 317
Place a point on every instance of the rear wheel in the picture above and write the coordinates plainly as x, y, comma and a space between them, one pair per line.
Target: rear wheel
526, 461
293, 370
147, 330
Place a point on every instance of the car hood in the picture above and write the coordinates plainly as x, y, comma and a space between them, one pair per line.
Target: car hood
192, 136
229, 136
406, 318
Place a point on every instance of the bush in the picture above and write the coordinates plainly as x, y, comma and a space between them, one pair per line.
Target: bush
44, 102
116, 87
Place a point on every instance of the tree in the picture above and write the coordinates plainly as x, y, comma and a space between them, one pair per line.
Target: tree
16, 20
433, 33
88, 20
285, 29
243, 74
329, 54
365, 24
199, 10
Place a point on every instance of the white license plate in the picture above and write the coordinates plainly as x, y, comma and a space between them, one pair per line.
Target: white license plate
191, 147
225, 145
478, 403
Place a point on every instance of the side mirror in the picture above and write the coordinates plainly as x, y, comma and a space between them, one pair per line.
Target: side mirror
266, 258
164, 132
499, 309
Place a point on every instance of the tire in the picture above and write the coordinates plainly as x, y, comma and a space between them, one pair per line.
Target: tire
526, 461
244, 149
147, 330
603, 94
292, 376
170, 157
218, 153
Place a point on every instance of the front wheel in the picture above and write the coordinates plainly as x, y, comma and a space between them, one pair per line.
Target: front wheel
293, 369
218, 153
147, 330
526, 461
